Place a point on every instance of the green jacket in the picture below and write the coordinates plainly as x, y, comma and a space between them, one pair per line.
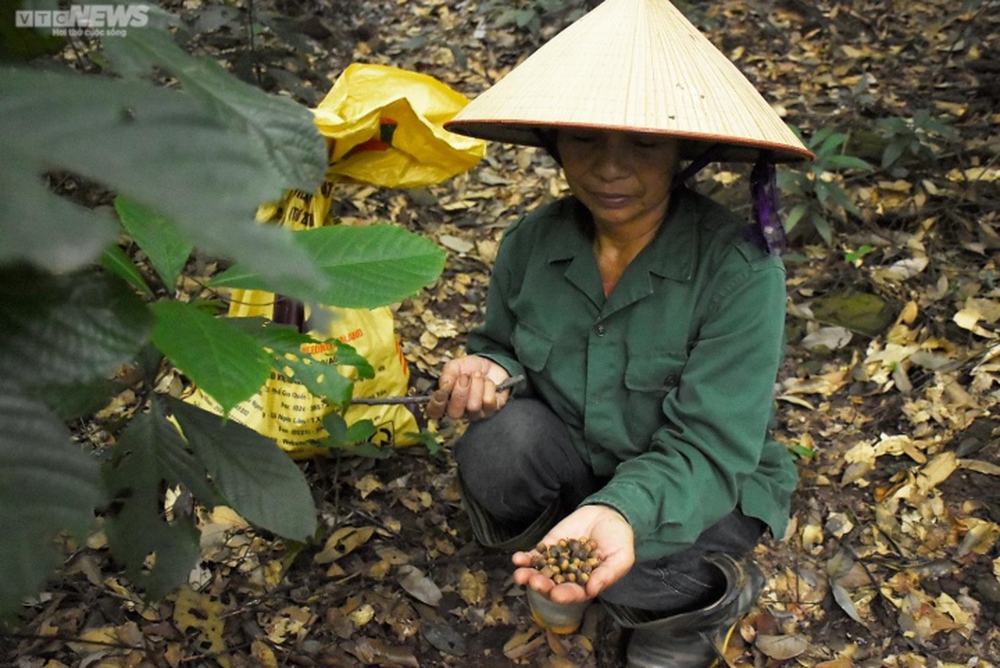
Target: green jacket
666, 385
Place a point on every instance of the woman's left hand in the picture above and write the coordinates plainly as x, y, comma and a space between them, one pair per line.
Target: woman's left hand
615, 549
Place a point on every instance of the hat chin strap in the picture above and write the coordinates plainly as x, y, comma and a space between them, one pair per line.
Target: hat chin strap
709, 155
764, 193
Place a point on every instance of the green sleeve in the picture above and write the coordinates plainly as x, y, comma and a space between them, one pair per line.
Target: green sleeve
493, 338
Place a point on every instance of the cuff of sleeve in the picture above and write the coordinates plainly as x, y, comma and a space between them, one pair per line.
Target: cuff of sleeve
638, 511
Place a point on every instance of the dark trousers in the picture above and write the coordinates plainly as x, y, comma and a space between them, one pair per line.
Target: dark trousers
522, 461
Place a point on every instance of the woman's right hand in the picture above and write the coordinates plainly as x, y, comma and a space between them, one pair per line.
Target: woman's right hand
467, 388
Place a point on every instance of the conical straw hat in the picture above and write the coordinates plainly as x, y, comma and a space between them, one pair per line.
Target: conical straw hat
636, 65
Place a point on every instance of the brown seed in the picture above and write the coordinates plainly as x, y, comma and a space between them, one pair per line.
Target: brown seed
568, 560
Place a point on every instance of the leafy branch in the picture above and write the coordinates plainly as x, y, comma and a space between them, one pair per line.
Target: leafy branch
189, 167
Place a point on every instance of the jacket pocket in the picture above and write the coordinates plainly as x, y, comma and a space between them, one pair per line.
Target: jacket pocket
532, 349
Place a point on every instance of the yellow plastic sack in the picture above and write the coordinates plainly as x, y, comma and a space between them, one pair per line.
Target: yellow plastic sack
386, 127
287, 412
284, 409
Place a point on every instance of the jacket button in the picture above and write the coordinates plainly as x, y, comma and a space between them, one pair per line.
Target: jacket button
600, 330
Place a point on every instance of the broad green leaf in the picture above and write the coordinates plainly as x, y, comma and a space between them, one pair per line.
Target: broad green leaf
321, 378
46, 486
340, 434
283, 340
221, 359
254, 476
150, 457
353, 439
282, 129
70, 402
22, 44
116, 261
157, 236
158, 146
365, 267
40, 228
67, 329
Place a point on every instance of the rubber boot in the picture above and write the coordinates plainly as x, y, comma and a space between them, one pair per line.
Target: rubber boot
693, 639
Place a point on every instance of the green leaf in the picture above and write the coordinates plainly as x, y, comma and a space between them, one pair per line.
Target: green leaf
801, 451
67, 329
18, 43
157, 236
893, 152
76, 401
342, 435
352, 440
257, 479
365, 267
222, 360
127, 136
46, 486
116, 261
320, 378
150, 457
281, 129
822, 226
846, 162
282, 340
40, 228
795, 215
429, 441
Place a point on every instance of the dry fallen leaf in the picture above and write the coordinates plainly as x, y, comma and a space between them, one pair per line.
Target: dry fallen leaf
472, 587
373, 652
200, 616
523, 643
782, 647
343, 541
418, 585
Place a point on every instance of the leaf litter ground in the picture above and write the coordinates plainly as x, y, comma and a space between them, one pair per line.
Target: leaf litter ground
892, 557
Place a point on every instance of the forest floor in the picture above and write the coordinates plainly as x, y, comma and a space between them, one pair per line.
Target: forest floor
888, 401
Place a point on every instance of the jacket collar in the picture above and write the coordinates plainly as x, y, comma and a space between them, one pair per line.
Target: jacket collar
670, 255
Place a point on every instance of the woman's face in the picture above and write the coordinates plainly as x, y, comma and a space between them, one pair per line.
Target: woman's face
623, 178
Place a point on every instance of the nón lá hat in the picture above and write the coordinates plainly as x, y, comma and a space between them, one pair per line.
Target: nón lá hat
633, 65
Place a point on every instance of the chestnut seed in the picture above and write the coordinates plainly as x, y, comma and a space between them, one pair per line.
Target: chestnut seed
568, 560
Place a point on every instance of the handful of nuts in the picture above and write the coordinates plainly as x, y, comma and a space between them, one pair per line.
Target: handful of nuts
569, 560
